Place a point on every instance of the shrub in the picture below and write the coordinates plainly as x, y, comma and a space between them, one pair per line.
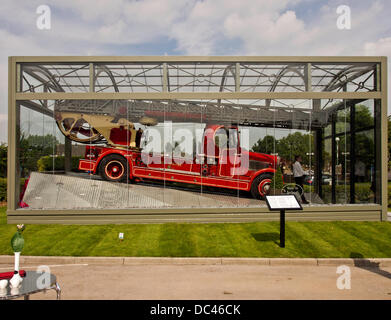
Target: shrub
363, 193
389, 195
277, 182
3, 188
46, 163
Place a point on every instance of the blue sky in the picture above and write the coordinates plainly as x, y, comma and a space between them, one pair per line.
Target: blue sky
190, 27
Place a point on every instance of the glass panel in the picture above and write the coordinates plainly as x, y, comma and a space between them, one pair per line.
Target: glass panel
342, 125
365, 167
342, 168
364, 115
342, 158
352, 77
39, 155
194, 154
326, 176
327, 130
352, 168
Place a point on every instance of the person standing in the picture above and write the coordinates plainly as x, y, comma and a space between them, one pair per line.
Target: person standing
299, 174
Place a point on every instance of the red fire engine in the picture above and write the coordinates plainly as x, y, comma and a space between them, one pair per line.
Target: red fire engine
223, 163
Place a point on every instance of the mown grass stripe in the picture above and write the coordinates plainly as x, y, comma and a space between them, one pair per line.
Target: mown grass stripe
82, 240
347, 242
323, 232
371, 233
264, 236
308, 238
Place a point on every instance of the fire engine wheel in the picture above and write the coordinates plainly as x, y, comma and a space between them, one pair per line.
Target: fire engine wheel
261, 186
114, 168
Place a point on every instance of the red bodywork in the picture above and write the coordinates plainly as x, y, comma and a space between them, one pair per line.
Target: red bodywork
231, 168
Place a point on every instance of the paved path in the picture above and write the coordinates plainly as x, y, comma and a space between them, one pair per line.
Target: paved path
215, 282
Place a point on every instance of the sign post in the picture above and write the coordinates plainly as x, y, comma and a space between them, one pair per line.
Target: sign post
282, 203
282, 228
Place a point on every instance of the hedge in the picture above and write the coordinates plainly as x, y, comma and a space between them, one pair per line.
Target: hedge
46, 163
389, 195
362, 190
3, 188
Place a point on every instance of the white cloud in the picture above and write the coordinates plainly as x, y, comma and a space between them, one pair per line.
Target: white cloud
210, 21
119, 21
265, 31
382, 47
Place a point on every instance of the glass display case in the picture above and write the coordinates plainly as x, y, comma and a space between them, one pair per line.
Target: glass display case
184, 135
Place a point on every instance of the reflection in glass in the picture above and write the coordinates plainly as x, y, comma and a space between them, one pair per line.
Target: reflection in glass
365, 167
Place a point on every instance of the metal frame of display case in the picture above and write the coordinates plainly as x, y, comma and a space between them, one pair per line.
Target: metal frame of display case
193, 78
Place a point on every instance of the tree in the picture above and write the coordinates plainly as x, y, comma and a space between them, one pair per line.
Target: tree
296, 144
287, 147
363, 117
266, 145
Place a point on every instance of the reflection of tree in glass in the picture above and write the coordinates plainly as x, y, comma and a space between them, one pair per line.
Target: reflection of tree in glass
363, 117
265, 145
365, 146
287, 147
296, 144
300, 144
364, 141
32, 148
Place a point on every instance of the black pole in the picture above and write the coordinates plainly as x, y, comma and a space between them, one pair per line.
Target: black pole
282, 228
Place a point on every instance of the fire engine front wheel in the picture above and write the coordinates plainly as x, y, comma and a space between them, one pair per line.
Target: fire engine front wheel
114, 168
261, 186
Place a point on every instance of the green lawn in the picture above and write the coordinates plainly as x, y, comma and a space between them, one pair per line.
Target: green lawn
304, 239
